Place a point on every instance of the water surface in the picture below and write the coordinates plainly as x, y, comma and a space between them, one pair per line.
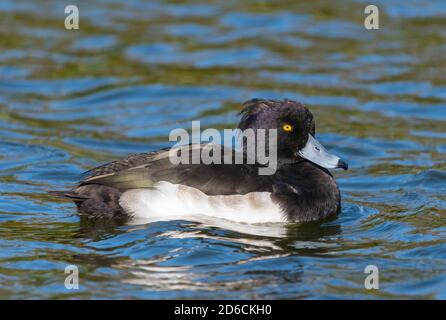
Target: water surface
70, 100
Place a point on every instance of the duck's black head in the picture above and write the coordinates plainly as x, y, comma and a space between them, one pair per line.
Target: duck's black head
296, 130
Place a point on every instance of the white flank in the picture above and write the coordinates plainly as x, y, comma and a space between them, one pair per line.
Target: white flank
167, 201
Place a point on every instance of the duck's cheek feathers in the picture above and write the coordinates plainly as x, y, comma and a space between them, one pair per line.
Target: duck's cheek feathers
167, 201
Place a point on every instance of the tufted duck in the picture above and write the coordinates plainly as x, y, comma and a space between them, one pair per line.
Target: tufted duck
149, 185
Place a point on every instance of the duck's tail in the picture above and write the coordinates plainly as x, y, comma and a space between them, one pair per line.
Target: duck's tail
67, 194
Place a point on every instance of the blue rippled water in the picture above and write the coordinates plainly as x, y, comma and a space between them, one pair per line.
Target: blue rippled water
70, 100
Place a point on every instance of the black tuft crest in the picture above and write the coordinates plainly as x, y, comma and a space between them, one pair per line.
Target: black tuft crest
251, 109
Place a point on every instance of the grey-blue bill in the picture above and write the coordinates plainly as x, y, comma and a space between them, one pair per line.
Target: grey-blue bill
315, 152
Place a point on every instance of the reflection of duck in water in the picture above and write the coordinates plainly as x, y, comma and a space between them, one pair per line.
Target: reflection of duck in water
150, 186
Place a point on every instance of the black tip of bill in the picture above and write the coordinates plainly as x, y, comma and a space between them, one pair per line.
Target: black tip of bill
342, 164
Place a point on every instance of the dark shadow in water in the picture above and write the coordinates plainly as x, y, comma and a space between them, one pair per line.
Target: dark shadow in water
97, 228
314, 237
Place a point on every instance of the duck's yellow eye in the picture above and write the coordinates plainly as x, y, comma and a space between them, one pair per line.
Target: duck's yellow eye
287, 127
